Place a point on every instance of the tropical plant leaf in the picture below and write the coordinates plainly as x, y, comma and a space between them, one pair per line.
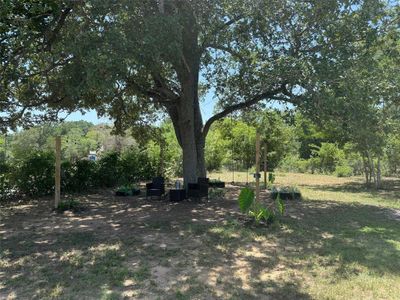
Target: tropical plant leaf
246, 199
280, 205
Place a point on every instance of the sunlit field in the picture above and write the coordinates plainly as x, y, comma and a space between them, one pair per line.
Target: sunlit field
342, 241
327, 187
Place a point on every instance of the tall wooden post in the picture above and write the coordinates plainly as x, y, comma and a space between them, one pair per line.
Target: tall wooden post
57, 189
265, 164
257, 166
162, 146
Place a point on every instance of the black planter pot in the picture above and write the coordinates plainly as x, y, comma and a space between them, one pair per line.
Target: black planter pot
133, 192
286, 195
216, 184
121, 193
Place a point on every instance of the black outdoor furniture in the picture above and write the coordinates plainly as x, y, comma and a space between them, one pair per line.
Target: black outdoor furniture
199, 189
127, 192
216, 184
156, 187
132, 192
177, 194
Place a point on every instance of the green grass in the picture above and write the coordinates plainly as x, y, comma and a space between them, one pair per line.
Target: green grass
341, 242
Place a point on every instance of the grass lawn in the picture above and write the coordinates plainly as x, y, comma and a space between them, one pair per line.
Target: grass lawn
341, 242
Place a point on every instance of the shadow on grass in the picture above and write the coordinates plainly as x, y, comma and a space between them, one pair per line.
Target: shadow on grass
352, 233
390, 189
186, 250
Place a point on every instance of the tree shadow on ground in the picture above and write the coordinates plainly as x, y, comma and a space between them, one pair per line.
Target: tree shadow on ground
390, 189
135, 248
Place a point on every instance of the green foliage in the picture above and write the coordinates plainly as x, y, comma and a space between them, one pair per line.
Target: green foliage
5, 184
271, 178
280, 205
246, 199
108, 171
293, 163
285, 193
35, 175
343, 171
216, 150
78, 176
71, 205
327, 156
256, 210
172, 152
136, 164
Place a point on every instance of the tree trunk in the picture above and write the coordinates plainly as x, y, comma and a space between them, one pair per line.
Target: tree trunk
371, 167
186, 114
200, 141
366, 170
378, 174
188, 139
188, 126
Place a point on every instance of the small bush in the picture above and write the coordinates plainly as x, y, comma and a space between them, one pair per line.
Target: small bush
34, 176
78, 176
71, 205
293, 163
343, 171
5, 184
108, 171
128, 190
285, 193
271, 177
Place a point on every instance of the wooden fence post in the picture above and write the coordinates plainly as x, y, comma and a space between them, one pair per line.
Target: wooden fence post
57, 188
257, 166
265, 165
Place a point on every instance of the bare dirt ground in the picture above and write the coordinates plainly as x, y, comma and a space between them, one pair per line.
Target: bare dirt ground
133, 248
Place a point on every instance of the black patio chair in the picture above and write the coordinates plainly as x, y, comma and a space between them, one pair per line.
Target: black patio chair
200, 189
156, 187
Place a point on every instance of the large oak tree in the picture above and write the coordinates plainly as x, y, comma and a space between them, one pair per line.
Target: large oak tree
134, 60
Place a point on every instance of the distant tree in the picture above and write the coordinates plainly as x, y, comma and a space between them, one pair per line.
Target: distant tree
278, 135
362, 106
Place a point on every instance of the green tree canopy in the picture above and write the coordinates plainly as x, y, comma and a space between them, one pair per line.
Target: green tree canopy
133, 60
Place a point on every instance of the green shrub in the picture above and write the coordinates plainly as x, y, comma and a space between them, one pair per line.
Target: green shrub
5, 184
343, 171
292, 163
71, 205
285, 193
285, 189
108, 170
78, 176
271, 177
34, 176
328, 156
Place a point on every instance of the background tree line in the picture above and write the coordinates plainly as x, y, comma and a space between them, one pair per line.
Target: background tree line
295, 143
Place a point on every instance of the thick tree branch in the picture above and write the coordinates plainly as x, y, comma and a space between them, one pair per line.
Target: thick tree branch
218, 29
53, 34
163, 88
267, 95
228, 50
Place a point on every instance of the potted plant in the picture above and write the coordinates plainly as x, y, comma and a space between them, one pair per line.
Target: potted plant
127, 190
286, 193
216, 183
